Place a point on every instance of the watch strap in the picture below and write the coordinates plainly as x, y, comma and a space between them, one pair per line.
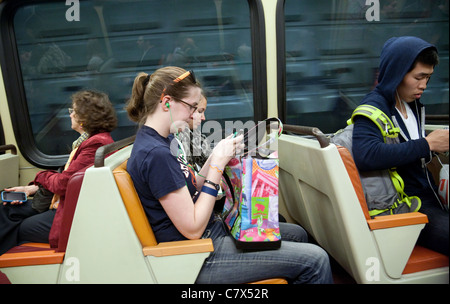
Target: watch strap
216, 186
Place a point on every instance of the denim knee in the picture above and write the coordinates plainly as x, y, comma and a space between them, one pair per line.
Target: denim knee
293, 233
313, 266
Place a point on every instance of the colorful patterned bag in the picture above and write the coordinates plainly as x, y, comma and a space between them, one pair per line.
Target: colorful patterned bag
251, 204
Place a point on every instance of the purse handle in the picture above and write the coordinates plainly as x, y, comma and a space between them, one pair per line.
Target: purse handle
255, 136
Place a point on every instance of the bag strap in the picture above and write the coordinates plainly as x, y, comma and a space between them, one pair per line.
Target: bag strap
399, 186
254, 132
403, 198
383, 122
230, 186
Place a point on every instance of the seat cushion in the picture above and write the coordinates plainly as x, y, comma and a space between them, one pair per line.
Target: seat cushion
424, 259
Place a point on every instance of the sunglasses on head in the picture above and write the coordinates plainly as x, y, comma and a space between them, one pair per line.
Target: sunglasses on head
185, 75
179, 79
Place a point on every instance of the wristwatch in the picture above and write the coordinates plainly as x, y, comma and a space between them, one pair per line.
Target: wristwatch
216, 186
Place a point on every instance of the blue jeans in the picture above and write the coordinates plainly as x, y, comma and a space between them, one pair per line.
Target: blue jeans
296, 260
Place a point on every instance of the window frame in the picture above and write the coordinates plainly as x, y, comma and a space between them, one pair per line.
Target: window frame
15, 92
281, 60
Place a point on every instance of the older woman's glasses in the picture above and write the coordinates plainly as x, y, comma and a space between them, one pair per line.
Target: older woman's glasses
70, 110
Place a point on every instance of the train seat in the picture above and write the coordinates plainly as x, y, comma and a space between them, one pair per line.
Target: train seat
69, 206
144, 230
13, 255
320, 194
17, 261
421, 258
110, 238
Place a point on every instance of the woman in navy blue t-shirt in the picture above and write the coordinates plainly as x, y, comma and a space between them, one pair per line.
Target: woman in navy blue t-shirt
179, 205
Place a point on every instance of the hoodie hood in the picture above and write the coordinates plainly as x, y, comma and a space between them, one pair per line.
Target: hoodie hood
397, 57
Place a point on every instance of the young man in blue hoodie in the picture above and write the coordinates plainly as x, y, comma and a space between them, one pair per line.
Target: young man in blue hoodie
406, 65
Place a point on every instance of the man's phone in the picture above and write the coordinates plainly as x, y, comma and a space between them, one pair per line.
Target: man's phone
9, 197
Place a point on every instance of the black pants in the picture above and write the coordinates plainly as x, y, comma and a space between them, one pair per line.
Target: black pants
435, 234
22, 224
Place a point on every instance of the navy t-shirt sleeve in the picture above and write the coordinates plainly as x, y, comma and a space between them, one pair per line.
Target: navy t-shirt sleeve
163, 172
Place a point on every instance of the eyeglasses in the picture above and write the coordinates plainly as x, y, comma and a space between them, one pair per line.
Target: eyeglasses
70, 110
189, 105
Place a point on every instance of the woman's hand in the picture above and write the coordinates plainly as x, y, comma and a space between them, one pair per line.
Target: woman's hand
226, 149
29, 191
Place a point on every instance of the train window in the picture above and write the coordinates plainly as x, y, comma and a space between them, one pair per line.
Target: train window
102, 45
332, 53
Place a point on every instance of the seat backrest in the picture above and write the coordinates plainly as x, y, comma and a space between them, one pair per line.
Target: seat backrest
133, 205
4, 279
318, 193
352, 171
68, 209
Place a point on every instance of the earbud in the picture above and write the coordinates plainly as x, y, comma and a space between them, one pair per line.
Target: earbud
167, 104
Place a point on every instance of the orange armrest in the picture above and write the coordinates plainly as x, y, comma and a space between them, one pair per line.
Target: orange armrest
31, 258
397, 220
179, 247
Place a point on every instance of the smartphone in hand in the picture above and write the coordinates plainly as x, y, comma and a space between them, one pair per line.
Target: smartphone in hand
9, 197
